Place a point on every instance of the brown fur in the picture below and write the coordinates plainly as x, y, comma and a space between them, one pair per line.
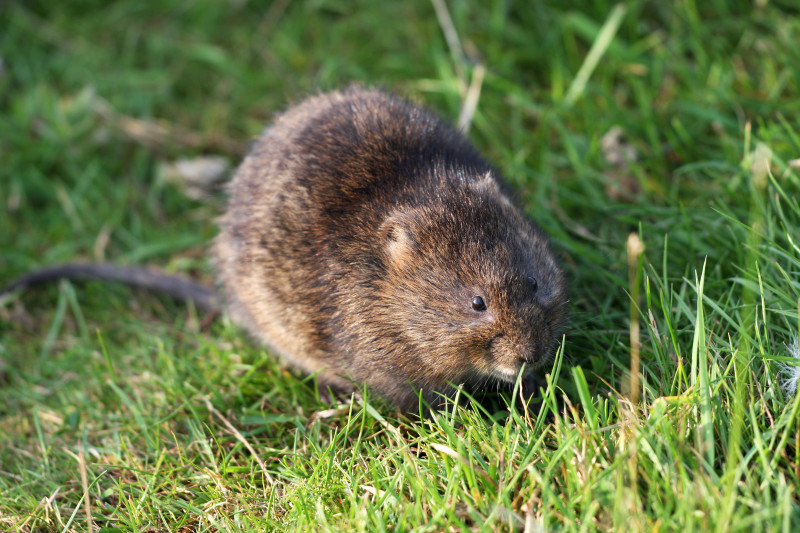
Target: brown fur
358, 230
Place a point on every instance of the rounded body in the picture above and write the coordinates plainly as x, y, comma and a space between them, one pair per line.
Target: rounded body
367, 241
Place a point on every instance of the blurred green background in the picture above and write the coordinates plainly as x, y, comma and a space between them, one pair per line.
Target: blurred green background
97, 98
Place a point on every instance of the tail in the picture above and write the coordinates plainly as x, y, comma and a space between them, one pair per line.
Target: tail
204, 298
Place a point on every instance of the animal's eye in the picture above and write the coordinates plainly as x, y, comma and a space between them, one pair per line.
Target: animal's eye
478, 304
533, 283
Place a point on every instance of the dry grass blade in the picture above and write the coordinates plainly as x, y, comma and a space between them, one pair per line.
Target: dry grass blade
471, 100
235, 432
451, 36
157, 134
450, 452
87, 501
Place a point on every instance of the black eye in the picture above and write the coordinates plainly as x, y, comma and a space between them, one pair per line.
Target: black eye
478, 303
533, 283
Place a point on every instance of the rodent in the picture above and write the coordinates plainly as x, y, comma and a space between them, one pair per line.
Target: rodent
367, 241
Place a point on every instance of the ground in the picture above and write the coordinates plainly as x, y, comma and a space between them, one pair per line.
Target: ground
675, 122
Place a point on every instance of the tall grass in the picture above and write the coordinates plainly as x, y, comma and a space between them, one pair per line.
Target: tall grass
132, 410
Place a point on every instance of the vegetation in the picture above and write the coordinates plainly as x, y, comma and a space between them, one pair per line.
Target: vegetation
130, 409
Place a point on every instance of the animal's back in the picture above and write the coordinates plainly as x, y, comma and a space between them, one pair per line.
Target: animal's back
307, 202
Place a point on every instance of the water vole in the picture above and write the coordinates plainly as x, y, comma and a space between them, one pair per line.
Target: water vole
367, 241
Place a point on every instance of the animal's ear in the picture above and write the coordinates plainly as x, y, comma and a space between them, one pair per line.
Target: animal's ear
397, 237
489, 186
485, 184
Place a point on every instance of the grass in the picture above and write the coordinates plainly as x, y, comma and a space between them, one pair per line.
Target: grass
124, 407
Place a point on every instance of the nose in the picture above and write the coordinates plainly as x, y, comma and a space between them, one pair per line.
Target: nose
530, 350
527, 357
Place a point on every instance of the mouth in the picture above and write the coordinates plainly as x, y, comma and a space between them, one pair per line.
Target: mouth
509, 375
505, 375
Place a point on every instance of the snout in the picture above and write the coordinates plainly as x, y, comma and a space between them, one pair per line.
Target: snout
514, 353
